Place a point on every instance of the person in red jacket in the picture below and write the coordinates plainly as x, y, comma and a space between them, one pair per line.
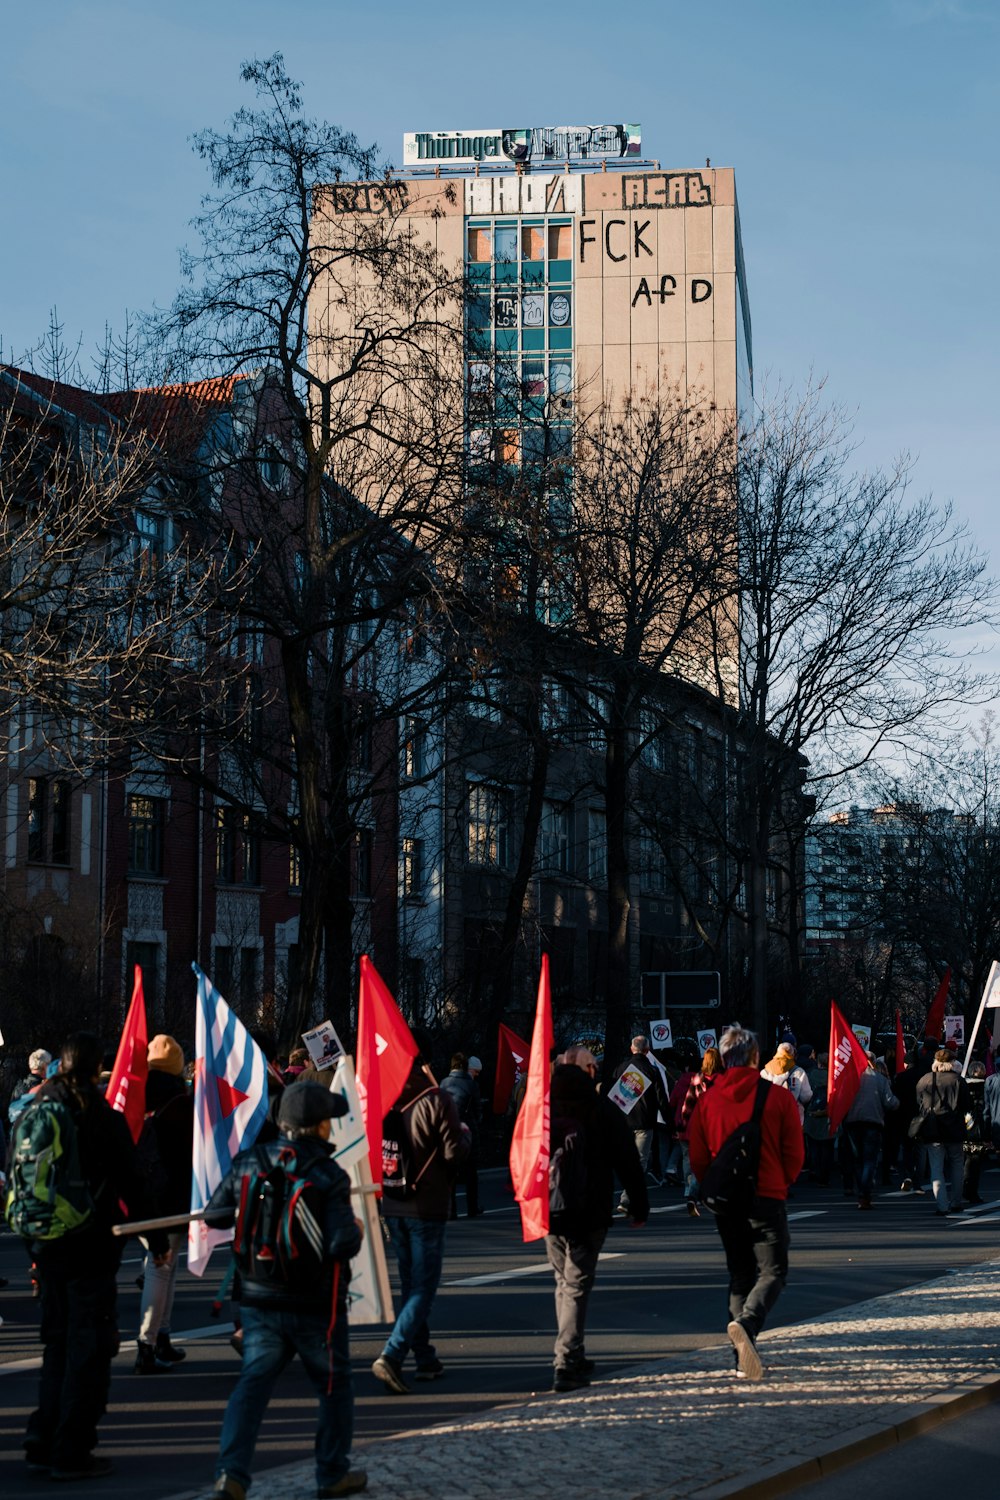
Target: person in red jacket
756, 1245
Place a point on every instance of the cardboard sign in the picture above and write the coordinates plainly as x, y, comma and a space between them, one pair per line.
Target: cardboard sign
369, 1298
323, 1044
706, 1039
661, 1034
627, 1090
864, 1036
954, 1032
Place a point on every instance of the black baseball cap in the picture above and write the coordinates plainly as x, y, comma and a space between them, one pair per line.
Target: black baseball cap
305, 1104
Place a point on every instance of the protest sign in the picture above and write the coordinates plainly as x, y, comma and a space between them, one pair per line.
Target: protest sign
323, 1044
627, 1090
706, 1039
661, 1034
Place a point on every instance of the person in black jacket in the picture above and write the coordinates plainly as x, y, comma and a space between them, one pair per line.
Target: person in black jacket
279, 1323
417, 1218
79, 1326
168, 1141
577, 1231
642, 1116
944, 1093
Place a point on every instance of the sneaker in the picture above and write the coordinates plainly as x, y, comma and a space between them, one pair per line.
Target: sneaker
622, 1211
390, 1372
229, 1488
90, 1468
35, 1460
351, 1483
433, 1370
694, 1212
148, 1361
748, 1360
166, 1352
906, 1186
864, 1203
581, 1362
569, 1378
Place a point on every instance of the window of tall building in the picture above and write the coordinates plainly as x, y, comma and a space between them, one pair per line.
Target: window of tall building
364, 846
519, 339
654, 870
225, 844
146, 821
222, 970
414, 756
487, 825
249, 831
412, 863
249, 978
147, 956
555, 838
38, 812
597, 847
151, 531
61, 800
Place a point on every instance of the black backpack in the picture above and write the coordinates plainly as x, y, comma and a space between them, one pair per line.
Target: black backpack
568, 1174
729, 1186
279, 1240
400, 1173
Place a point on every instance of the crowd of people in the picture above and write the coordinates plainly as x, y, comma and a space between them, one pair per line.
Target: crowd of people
924, 1124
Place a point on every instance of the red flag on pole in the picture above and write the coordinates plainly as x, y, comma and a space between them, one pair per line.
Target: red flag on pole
848, 1060
934, 1025
529, 1150
126, 1089
386, 1050
512, 1056
900, 1044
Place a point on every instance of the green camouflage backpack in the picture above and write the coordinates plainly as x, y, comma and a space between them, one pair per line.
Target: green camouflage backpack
47, 1193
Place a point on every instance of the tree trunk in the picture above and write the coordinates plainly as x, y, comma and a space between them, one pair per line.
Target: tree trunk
617, 1024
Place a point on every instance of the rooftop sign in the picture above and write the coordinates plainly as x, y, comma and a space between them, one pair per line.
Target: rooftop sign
539, 143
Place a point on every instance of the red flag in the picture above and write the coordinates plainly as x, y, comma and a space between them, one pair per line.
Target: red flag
386, 1050
126, 1089
900, 1044
934, 1025
848, 1060
512, 1054
529, 1150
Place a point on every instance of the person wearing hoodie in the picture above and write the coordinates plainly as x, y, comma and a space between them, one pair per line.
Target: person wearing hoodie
784, 1071
166, 1146
864, 1125
577, 1229
944, 1094
755, 1244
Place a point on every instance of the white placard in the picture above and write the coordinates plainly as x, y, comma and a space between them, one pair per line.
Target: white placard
627, 1090
954, 1032
661, 1033
706, 1039
369, 1299
324, 1045
864, 1036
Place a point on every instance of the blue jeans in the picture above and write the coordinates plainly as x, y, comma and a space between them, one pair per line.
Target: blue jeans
866, 1143
419, 1247
271, 1339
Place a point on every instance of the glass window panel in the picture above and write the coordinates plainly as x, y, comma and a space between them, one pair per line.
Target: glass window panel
533, 272
560, 338
479, 245
505, 310
480, 340
533, 377
505, 240
506, 341
560, 442
560, 241
479, 377
560, 270
533, 338
504, 272
533, 310
560, 377
532, 243
480, 275
560, 310
478, 312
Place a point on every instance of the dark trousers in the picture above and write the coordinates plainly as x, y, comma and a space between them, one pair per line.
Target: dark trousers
79, 1331
865, 1141
468, 1175
575, 1265
757, 1258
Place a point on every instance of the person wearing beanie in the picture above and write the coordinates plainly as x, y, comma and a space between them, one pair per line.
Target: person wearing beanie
165, 1149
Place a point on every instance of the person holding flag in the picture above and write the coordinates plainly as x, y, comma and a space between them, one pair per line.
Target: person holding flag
417, 1144
166, 1146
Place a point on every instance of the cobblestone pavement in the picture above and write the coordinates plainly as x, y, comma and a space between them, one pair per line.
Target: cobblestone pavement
686, 1426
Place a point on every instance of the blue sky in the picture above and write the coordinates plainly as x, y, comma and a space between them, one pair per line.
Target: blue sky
863, 133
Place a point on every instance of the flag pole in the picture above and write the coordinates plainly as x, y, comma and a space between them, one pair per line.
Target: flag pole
175, 1221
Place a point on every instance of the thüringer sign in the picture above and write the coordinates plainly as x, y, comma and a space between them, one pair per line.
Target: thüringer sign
543, 143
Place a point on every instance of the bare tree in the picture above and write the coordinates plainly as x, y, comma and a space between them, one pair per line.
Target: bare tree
850, 598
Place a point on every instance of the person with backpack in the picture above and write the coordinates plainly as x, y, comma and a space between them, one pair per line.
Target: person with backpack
461, 1083
165, 1147
943, 1101
296, 1235
750, 1133
591, 1141
72, 1165
423, 1145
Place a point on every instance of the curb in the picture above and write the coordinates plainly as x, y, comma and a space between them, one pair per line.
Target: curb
783, 1477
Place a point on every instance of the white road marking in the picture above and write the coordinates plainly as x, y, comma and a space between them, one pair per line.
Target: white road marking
967, 1218
807, 1213
669, 1208
535, 1269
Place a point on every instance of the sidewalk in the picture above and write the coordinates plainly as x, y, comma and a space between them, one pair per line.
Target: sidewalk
847, 1385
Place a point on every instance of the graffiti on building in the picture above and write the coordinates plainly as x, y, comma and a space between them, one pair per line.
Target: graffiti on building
665, 190
701, 290
511, 194
368, 197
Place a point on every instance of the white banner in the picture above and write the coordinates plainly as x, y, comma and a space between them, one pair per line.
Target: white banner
369, 1298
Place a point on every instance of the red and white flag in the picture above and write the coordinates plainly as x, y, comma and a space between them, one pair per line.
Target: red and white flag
126, 1089
512, 1058
230, 1106
848, 1060
386, 1050
531, 1146
934, 1025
